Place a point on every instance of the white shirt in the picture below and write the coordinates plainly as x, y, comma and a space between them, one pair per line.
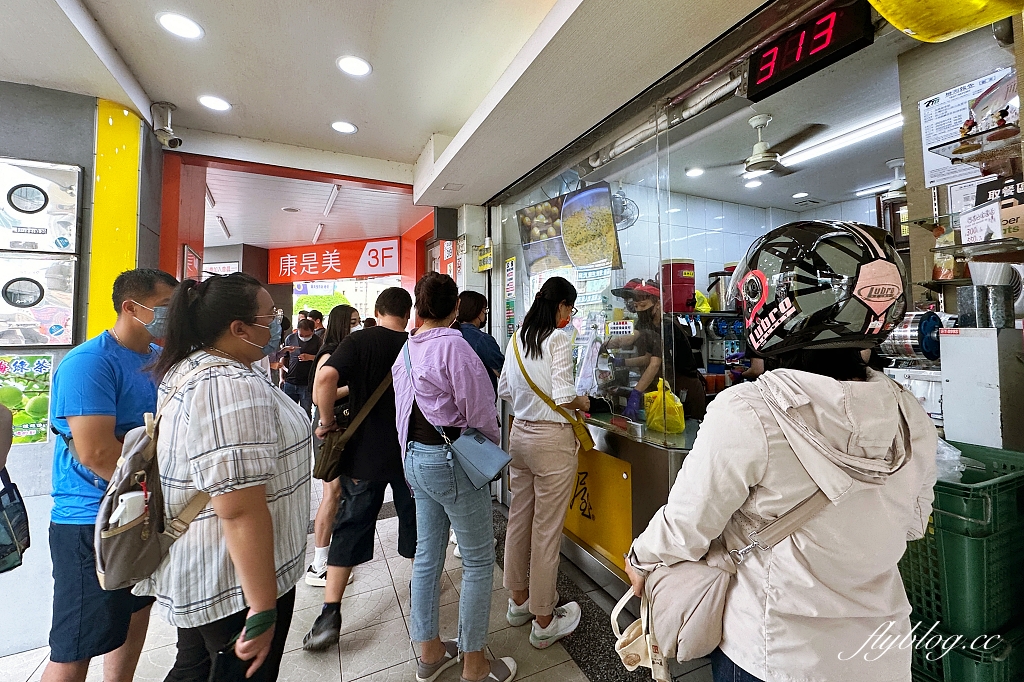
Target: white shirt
552, 373
228, 428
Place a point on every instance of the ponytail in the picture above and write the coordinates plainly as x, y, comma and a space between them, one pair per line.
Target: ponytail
542, 318
199, 312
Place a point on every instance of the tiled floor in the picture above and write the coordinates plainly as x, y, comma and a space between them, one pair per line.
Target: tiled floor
374, 644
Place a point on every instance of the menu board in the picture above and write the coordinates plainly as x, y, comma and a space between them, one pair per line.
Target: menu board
571, 230
941, 118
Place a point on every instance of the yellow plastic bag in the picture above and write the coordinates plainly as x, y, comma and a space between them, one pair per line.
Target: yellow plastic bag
664, 410
703, 306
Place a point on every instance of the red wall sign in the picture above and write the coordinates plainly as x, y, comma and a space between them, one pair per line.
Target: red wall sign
340, 260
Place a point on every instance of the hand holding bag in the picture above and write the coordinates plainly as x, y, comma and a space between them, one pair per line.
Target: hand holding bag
482, 460
327, 461
637, 646
687, 600
14, 535
579, 427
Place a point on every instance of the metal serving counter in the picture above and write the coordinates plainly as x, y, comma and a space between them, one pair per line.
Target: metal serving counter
620, 485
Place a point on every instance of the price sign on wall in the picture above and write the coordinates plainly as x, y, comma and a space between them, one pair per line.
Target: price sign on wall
340, 260
980, 224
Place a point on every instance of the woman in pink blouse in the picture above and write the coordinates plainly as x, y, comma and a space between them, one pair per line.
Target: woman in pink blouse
443, 386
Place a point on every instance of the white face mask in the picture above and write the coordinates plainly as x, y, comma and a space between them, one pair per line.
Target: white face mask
304, 339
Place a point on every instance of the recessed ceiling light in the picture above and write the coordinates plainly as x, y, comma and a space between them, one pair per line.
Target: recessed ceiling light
179, 25
800, 195
719, 217
215, 103
694, 172
752, 184
354, 66
290, 209
344, 127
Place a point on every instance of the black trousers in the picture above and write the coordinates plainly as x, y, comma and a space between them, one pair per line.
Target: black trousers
198, 647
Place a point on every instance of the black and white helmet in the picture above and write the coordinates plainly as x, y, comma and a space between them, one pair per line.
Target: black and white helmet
820, 284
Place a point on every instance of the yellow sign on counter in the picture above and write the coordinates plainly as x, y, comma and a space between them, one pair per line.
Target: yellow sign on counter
600, 508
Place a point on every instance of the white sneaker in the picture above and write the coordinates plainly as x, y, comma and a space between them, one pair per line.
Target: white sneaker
565, 620
318, 578
518, 615
452, 539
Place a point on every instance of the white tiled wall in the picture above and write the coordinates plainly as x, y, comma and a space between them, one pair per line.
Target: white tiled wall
710, 232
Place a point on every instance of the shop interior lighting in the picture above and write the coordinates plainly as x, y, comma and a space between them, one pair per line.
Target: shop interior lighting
752, 184
344, 127
224, 227
674, 210
179, 25
319, 231
873, 190
330, 200
694, 172
209, 197
354, 66
215, 103
800, 195
756, 174
866, 132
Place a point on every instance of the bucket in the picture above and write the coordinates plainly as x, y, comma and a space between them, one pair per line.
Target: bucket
679, 286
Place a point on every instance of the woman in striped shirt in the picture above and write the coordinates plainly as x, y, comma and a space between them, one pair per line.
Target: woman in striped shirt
228, 584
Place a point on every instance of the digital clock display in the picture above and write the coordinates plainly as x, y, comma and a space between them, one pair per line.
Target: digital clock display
821, 41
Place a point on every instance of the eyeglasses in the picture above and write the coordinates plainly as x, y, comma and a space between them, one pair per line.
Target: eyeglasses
278, 315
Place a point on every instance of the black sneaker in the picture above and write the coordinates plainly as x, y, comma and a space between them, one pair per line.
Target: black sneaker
325, 632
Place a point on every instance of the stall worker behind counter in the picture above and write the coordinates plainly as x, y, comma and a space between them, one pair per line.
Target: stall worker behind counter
680, 371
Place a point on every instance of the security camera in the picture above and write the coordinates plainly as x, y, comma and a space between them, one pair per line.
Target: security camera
168, 139
161, 112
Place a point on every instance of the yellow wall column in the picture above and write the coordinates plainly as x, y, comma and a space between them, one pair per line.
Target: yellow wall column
115, 213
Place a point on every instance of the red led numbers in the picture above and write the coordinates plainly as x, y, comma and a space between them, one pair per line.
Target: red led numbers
768, 60
826, 35
794, 49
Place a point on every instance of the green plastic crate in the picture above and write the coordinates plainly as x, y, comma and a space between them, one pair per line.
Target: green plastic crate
983, 502
973, 586
1003, 662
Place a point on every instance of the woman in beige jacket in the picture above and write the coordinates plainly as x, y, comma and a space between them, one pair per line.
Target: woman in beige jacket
824, 602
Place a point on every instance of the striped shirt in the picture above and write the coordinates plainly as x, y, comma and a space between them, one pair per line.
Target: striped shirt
227, 429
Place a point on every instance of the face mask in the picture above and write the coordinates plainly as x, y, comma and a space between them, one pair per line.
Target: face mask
275, 334
356, 328
562, 324
304, 339
158, 326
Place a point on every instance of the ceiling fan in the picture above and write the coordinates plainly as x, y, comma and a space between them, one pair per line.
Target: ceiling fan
767, 158
624, 211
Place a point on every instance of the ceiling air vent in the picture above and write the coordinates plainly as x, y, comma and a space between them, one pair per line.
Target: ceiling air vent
808, 202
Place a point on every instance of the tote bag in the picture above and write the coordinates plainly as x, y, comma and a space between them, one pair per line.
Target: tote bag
14, 536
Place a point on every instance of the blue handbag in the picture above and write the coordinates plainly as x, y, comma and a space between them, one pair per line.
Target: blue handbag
482, 460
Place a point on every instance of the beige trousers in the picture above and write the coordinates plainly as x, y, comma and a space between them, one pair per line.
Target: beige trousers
541, 476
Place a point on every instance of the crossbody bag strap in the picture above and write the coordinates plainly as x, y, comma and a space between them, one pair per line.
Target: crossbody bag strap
540, 394
365, 410
5, 478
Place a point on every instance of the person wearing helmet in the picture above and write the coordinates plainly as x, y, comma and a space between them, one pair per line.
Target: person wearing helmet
814, 295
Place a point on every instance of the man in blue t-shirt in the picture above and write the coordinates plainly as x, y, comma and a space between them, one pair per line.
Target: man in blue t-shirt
101, 390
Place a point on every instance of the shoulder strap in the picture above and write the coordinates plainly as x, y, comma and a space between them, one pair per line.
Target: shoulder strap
540, 394
5, 478
412, 382
365, 410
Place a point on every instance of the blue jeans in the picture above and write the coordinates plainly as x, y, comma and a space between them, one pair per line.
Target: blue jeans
445, 498
301, 395
724, 670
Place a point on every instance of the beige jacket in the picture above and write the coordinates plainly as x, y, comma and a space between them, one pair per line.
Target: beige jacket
806, 610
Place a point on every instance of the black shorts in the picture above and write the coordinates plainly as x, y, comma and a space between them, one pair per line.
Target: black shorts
353, 538
88, 621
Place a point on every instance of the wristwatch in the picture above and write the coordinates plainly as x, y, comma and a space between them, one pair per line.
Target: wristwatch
321, 425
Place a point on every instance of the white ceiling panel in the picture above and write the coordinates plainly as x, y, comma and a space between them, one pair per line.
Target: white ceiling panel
251, 206
40, 46
274, 61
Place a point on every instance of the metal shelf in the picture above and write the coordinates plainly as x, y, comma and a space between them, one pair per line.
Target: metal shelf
929, 222
938, 284
1010, 250
978, 148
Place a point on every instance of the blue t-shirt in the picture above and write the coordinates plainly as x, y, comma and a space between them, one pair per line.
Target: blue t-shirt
487, 348
99, 377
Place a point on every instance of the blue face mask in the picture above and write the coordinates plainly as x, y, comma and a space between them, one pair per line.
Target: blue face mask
273, 343
158, 326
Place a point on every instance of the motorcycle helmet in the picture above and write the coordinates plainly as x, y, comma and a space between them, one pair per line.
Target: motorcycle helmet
819, 284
